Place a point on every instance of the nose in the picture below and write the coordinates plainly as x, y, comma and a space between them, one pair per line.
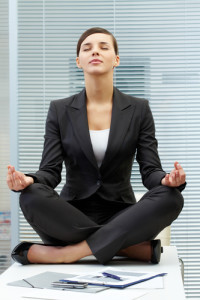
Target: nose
95, 52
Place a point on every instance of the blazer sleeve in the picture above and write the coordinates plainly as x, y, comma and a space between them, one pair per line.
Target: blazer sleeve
49, 172
147, 153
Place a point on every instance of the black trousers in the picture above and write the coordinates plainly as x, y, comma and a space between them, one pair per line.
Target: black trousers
107, 226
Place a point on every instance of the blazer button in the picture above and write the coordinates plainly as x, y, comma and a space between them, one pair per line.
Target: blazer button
98, 182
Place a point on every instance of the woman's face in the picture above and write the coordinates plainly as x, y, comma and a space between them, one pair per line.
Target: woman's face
97, 55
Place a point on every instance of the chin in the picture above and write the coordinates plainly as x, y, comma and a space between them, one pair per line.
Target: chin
99, 72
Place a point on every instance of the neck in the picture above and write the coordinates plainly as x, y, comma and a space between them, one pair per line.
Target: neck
99, 89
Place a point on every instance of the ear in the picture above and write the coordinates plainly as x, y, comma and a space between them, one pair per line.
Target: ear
78, 63
117, 61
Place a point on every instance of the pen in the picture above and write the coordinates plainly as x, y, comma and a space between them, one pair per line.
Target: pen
111, 276
69, 285
28, 283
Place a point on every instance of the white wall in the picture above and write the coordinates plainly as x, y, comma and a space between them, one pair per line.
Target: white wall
4, 105
4, 137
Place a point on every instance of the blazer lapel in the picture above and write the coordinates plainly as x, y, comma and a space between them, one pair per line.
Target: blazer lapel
78, 117
122, 113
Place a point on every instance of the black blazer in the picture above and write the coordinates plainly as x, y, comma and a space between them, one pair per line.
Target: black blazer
67, 139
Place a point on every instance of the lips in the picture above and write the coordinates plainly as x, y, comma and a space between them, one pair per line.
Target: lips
95, 61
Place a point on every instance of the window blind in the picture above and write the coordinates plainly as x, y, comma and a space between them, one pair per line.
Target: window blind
159, 49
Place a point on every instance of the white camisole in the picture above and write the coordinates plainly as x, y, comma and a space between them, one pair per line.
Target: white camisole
99, 140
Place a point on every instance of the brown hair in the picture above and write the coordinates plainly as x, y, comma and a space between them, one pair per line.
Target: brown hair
92, 31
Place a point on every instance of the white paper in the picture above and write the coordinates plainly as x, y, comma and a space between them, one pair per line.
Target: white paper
155, 283
126, 277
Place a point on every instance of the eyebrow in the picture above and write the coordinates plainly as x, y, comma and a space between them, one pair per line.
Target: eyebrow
89, 44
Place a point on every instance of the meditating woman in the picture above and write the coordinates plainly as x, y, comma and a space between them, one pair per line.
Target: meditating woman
97, 133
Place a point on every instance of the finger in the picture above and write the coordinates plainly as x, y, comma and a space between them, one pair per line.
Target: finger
178, 166
9, 170
8, 167
181, 173
182, 176
172, 178
175, 164
172, 172
23, 182
10, 179
17, 180
166, 182
177, 177
12, 168
9, 182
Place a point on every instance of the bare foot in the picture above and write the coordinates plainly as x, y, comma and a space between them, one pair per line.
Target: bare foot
142, 251
56, 255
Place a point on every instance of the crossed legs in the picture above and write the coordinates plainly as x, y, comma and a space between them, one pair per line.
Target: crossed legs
126, 233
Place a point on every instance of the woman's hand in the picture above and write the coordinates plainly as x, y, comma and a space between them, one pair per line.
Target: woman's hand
17, 180
176, 177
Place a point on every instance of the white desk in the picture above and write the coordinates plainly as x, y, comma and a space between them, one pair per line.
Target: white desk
173, 286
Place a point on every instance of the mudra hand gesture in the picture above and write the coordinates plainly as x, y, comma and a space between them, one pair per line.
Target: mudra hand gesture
17, 180
176, 177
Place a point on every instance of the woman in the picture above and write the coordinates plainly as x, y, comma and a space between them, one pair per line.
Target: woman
96, 133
